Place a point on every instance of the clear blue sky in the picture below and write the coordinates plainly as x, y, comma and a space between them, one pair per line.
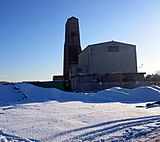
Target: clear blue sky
32, 33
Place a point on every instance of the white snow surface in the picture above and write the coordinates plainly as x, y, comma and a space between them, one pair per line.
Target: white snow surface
34, 114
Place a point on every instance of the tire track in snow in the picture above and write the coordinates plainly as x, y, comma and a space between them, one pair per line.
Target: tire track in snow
4, 137
110, 127
140, 135
108, 130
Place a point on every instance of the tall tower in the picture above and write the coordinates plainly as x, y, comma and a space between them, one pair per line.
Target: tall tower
72, 48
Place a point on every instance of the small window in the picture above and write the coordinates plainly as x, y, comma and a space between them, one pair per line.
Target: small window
79, 70
113, 49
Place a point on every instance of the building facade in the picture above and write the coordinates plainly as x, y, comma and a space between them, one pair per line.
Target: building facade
109, 57
105, 65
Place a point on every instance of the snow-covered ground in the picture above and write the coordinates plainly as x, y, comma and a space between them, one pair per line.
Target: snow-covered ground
32, 114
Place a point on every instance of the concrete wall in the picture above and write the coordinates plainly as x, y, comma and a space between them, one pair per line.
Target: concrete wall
93, 82
109, 57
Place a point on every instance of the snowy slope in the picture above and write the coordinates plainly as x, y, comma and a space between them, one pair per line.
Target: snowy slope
31, 114
9, 94
23, 92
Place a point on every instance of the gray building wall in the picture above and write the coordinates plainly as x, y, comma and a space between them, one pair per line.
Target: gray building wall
96, 82
109, 57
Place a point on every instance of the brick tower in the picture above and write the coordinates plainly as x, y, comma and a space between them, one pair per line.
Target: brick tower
72, 48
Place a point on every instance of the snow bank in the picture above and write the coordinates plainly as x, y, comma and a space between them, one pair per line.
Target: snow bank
9, 94
144, 94
137, 95
43, 94
22, 92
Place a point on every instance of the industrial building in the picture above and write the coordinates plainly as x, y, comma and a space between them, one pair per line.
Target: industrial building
98, 66
105, 65
109, 57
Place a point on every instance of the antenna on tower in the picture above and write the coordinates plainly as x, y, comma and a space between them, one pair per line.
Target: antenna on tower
140, 66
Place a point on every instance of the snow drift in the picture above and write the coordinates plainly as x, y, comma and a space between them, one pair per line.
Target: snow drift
24, 92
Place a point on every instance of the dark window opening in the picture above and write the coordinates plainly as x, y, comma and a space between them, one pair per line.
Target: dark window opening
79, 70
113, 49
